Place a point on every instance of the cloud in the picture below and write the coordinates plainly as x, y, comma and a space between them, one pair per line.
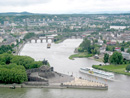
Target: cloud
64, 6
21, 2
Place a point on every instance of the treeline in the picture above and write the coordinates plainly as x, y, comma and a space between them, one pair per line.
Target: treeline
63, 36
6, 48
12, 73
25, 61
29, 35
116, 58
13, 68
86, 46
122, 45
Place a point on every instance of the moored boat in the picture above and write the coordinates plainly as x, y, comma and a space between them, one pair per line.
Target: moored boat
48, 45
98, 73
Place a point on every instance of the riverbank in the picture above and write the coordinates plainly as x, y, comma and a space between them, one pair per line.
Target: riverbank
19, 48
59, 41
80, 55
99, 60
120, 69
73, 84
85, 55
59, 81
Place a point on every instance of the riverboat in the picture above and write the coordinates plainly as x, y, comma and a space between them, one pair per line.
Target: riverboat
48, 45
97, 73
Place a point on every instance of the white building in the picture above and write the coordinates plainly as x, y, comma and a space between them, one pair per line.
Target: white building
1, 39
118, 27
126, 55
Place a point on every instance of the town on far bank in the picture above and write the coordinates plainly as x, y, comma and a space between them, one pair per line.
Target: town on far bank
106, 38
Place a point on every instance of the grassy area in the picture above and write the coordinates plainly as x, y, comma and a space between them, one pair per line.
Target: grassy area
99, 60
113, 68
80, 55
59, 41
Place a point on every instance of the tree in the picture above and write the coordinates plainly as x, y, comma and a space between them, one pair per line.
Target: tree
101, 37
122, 49
128, 68
128, 50
29, 35
5, 48
86, 45
12, 73
116, 58
5, 58
106, 58
26, 61
104, 41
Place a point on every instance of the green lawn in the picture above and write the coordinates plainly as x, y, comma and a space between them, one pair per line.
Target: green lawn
59, 41
113, 68
80, 55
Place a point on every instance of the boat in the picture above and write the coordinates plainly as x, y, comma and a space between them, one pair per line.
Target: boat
48, 45
97, 73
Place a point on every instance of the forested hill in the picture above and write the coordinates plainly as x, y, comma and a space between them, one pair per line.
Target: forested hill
16, 13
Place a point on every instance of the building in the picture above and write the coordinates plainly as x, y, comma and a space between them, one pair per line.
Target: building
117, 49
126, 55
6, 23
1, 39
2, 31
111, 43
102, 50
118, 27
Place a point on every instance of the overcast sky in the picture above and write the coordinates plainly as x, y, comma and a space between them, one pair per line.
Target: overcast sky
64, 6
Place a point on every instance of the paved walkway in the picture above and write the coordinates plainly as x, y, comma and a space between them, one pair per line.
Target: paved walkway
60, 78
82, 82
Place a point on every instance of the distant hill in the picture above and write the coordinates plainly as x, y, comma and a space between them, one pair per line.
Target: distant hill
83, 13
16, 13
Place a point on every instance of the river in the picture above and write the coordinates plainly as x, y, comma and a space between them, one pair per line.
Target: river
57, 56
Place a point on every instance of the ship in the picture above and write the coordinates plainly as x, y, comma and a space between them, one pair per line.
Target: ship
48, 45
97, 73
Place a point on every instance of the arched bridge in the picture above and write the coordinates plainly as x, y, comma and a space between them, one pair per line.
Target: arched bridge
46, 38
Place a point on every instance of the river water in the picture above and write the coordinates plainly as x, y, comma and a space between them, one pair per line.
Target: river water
57, 56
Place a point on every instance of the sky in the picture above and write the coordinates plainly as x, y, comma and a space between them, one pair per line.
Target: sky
64, 6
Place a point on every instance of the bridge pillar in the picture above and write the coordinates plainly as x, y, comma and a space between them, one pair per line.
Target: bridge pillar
35, 40
30, 41
41, 40
52, 40
46, 39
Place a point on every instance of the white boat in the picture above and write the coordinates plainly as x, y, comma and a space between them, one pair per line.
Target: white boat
97, 73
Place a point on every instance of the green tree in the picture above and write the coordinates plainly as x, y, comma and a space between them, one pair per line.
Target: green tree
104, 41
29, 35
26, 61
116, 58
122, 49
6, 58
128, 50
86, 45
106, 58
128, 68
12, 74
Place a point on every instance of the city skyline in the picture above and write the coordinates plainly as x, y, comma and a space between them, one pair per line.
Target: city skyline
65, 6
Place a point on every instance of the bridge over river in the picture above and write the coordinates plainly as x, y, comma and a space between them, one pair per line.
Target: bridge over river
46, 38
